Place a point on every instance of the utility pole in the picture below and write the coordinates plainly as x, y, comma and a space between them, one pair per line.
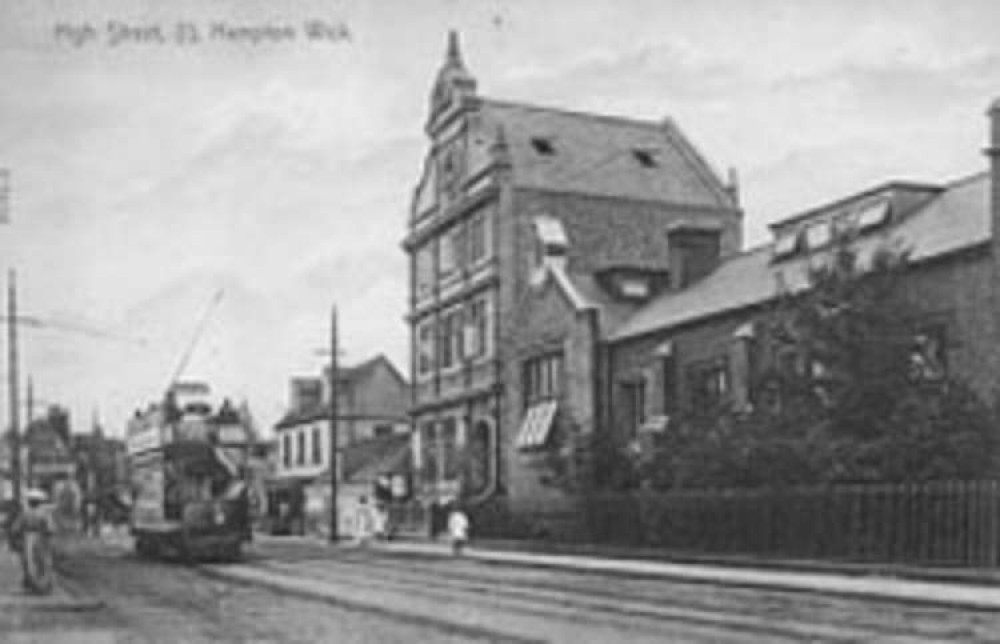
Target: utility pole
333, 425
15, 405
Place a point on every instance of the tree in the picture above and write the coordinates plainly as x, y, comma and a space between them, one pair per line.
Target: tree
848, 395
869, 404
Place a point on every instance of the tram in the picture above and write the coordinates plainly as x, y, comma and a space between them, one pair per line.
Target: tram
191, 494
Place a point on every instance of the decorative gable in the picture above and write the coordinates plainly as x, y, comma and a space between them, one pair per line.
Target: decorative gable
453, 85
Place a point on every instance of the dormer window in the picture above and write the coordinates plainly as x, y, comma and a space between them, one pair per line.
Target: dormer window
635, 287
645, 157
818, 235
786, 244
543, 146
551, 245
551, 235
873, 216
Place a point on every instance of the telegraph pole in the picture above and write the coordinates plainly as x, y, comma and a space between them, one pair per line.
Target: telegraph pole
333, 425
15, 430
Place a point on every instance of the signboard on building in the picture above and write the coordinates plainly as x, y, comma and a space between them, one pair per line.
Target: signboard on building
234, 434
143, 437
64, 468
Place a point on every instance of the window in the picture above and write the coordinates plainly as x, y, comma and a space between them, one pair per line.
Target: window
458, 245
669, 392
543, 146
551, 234
382, 430
429, 455
645, 157
929, 353
451, 338
786, 244
634, 395
317, 446
873, 215
819, 235
542, 378
286, 450
448, 438
634, 287
446, 250
477, 329
709, 384
301, 455
450, 168
478, 238
425, 347
424, 269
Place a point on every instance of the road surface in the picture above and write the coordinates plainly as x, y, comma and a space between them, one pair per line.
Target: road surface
298, 591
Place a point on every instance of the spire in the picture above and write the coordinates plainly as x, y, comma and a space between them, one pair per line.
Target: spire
453, 84
454, 56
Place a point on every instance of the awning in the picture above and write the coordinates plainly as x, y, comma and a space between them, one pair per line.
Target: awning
536, 425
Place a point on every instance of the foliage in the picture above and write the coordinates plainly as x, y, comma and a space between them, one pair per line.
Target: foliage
582, 463
848, 406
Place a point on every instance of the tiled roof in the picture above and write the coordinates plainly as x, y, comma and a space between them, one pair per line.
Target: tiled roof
363, 462
613, 311
347, 376
300, 416
359, 372
600, 155
955, 219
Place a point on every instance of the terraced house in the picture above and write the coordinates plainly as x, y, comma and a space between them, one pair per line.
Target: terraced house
533, 234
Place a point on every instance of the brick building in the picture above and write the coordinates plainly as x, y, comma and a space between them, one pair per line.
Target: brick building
533, 233
702, 344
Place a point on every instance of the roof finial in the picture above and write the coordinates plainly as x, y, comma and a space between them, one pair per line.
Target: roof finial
454, 56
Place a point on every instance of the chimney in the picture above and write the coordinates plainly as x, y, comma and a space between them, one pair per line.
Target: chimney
305, 394
693, 252
993, 153
733, 186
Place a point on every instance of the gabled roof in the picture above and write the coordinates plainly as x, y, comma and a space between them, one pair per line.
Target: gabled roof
583, 292
363, 371
958, 217
364, 462
348, 376
601, 155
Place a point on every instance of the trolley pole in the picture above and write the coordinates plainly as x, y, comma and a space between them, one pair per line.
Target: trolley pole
15, 429
334, 412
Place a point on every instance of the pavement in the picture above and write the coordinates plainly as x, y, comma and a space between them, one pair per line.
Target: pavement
64, 596
961, 589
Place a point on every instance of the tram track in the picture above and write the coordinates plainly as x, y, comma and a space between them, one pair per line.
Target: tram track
643, 608
739, 604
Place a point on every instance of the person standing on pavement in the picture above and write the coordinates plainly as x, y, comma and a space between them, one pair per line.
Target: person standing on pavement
363, 523
30, 533
458, 530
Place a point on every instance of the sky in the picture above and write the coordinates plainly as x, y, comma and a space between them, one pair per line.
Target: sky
150, 174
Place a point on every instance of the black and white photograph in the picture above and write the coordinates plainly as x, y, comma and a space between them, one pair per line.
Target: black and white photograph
499, 321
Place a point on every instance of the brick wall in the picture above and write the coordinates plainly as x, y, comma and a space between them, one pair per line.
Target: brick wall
605, 231
952, 289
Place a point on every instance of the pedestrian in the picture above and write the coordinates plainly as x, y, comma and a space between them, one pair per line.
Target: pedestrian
363, 523
458, 530
31, 532
381, 522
